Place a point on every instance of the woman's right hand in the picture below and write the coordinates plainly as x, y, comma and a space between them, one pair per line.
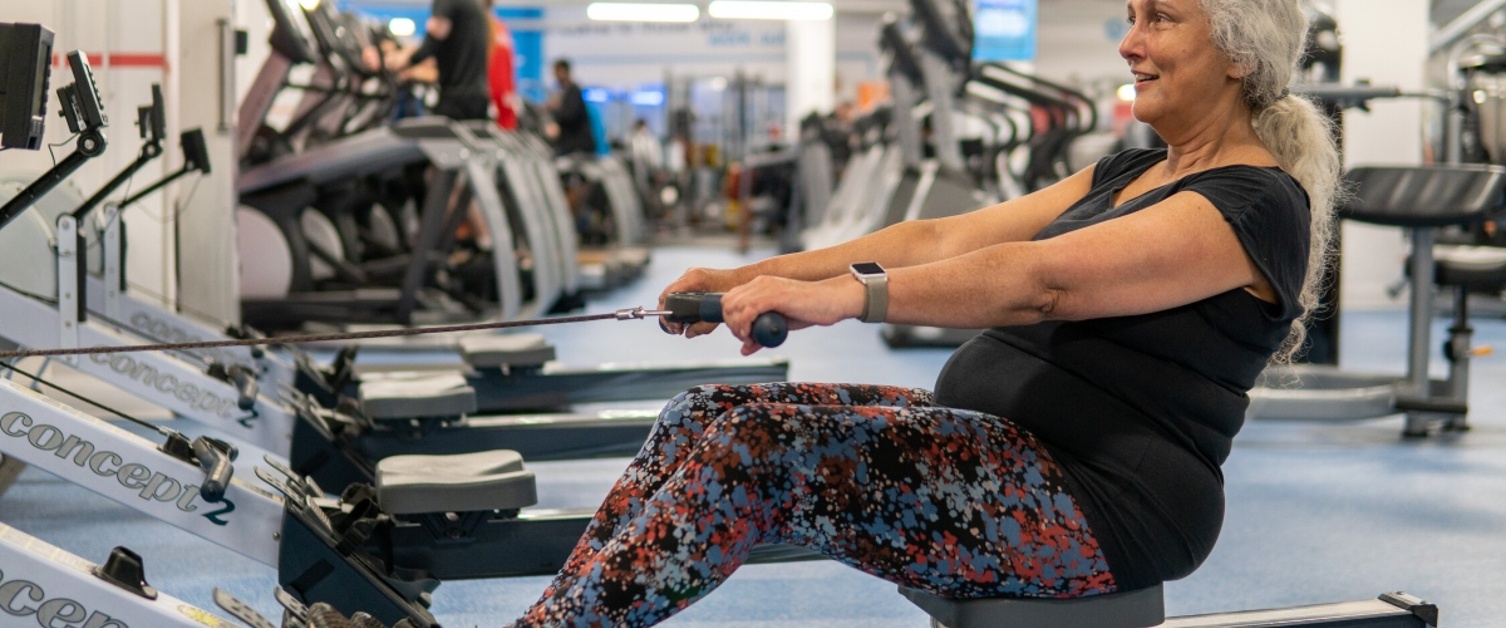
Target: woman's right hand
698, 280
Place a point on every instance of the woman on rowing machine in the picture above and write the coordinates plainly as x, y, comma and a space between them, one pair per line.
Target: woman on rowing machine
1074, 448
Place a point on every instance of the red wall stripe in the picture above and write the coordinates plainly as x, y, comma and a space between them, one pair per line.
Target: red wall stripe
121, 60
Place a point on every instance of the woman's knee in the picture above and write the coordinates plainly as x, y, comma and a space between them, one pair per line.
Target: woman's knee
922, 397
759, 418
746, 435
710, 396
694, 402
694, 394
778, 433
685, 417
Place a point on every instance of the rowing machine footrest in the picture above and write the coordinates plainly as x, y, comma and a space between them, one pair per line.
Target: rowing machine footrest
506, 350
1128, 609
408, 397
488, 480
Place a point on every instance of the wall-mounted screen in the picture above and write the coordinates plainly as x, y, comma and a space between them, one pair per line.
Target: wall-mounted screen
1004, 30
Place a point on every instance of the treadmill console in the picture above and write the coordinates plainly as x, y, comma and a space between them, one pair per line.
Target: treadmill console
291, 35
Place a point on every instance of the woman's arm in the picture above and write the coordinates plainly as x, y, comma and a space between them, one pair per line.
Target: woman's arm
1177, 252
1180, 251
905, 244
922, 241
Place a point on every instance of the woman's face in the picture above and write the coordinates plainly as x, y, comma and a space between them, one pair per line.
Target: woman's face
1178, 72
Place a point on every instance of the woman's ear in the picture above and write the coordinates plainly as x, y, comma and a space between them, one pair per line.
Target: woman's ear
1238, 71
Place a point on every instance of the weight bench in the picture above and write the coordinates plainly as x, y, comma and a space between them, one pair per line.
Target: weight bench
1423, 200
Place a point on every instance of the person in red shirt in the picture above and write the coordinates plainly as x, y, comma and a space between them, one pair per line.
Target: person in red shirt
501, 80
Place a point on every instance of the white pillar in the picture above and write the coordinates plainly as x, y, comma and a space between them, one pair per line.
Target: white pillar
1389, 48
209, 277
810, 81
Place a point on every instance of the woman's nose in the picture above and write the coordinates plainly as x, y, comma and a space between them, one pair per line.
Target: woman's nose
1130, 47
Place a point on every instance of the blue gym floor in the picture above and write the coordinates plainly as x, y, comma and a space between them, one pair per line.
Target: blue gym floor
1317, 512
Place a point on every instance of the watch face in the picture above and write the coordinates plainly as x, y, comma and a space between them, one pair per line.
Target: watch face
867, 268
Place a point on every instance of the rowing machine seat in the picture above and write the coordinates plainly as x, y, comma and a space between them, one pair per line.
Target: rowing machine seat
1127, 609
487, 480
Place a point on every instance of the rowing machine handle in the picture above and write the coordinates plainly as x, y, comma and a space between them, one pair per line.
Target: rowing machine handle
214, 457
769, 329
244, 380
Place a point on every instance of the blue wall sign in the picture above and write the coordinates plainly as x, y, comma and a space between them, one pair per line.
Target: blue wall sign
1004, 30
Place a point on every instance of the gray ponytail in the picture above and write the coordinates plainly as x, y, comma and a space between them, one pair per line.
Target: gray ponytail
1267, 39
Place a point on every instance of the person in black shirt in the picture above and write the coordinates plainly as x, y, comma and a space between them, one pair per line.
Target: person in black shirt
837, 132
572, 120
1074, 448
456, 38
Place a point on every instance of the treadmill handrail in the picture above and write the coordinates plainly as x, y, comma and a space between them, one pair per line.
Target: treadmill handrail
365, 153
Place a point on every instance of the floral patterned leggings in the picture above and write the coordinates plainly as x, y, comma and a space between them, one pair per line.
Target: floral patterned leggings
955, 502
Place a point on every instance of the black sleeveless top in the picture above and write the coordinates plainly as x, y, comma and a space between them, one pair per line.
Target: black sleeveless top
1140, 411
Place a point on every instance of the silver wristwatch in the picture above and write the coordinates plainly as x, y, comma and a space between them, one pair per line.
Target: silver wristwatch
876, 282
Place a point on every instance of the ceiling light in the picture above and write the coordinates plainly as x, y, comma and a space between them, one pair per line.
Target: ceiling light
769, 10
642, 12
402, 27
1126, 92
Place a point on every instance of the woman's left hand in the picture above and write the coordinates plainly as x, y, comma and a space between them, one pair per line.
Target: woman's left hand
803, 304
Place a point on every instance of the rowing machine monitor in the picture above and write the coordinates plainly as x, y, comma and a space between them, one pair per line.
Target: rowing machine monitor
152, 119
82, 105
84, 113
25, 68
195, 151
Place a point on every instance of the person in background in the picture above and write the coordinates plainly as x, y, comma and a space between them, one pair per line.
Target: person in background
456, 38
838, 134
648, 155
409, 103
572, 132
501, 75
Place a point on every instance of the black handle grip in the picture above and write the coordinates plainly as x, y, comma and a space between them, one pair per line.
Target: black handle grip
245, 384
217, 470
769, 329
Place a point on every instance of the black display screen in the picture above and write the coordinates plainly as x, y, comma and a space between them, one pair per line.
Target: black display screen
25, 67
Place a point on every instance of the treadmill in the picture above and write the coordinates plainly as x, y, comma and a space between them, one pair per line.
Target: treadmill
433, 171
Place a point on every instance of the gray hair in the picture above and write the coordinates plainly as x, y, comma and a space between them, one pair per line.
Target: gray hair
1267, 39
